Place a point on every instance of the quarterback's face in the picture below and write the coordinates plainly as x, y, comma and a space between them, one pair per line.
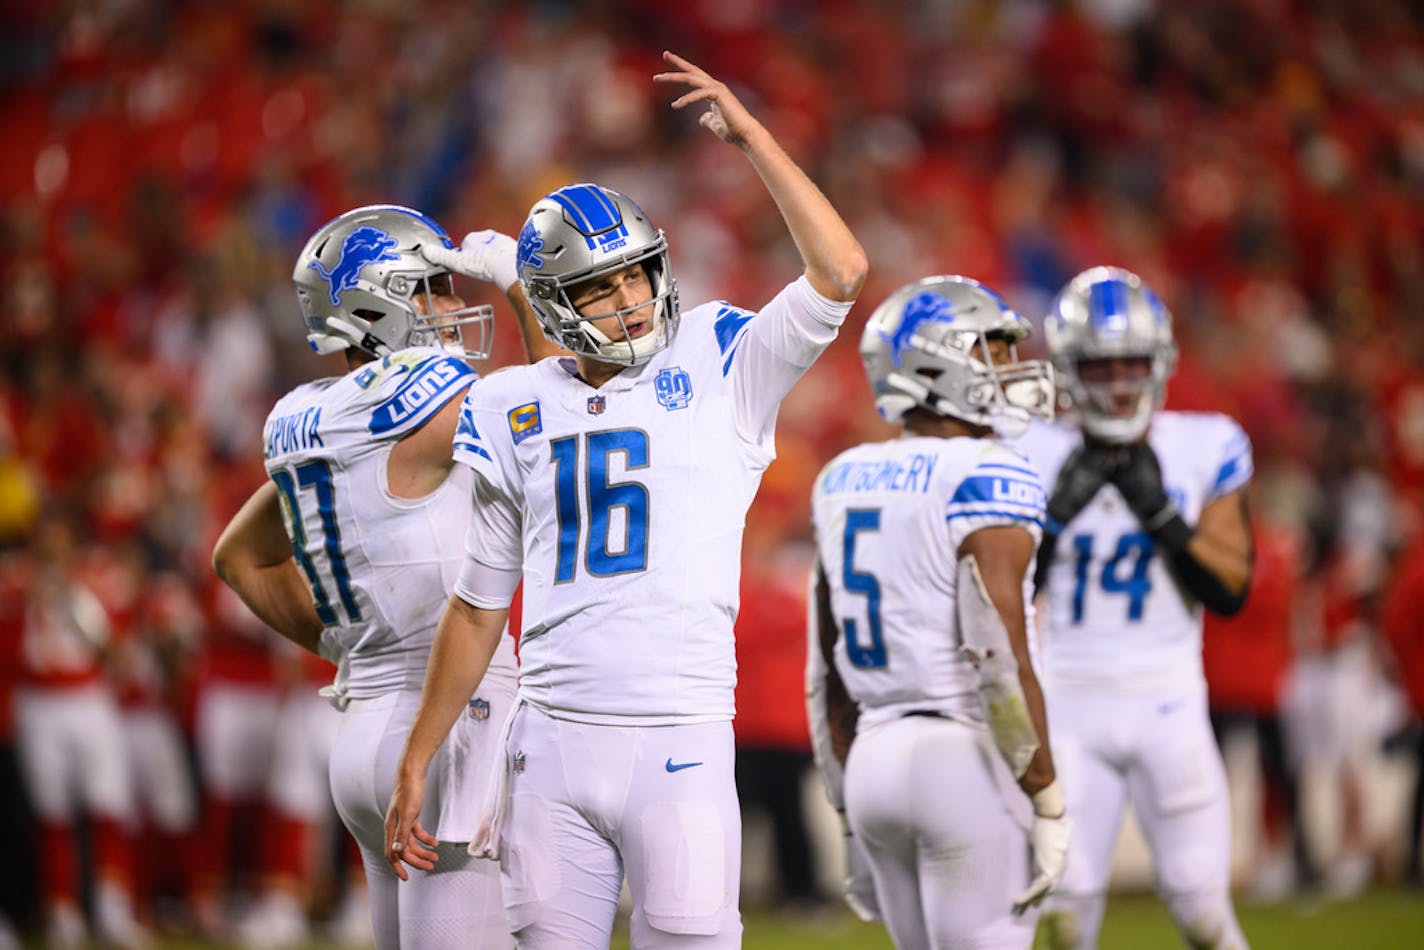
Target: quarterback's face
628, 291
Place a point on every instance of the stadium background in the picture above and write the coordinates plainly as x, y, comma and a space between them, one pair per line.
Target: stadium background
1261, 163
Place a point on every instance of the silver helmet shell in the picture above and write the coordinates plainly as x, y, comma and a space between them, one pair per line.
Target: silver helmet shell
358, 280
928, 345
582, 232
1110, 313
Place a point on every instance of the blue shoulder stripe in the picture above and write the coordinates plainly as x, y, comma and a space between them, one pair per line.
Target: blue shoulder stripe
727, 326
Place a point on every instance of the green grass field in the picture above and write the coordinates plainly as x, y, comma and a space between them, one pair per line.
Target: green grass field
1383, 919
1386, 919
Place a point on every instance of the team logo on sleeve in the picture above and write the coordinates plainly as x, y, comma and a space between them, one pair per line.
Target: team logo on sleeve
524, 421
596, 405
674, 388
365, 245
479, 709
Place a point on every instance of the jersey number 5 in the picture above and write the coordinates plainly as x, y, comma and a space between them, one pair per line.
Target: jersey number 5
871, 656
605, 499
317, 475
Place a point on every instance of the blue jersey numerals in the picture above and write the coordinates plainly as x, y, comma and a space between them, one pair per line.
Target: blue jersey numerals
604, 499
317, 475
872, 655
1123, 573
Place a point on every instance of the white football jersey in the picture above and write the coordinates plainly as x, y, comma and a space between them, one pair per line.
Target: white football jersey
889, 519
1116, 618
380, 567
626, 504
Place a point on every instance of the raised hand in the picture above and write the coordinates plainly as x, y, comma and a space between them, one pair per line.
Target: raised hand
483, 255
726, 117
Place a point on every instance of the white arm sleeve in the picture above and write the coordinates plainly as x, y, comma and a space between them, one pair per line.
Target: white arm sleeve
775, 350
493, 549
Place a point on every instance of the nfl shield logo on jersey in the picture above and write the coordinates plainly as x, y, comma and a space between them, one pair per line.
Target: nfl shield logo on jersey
517, 765
596, 405
479, 709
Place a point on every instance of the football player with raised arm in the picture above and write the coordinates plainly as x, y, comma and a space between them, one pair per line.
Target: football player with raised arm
617, 481
926, 716
1147, 525
353, 546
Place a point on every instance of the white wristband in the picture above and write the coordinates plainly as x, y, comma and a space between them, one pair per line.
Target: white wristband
1048, 801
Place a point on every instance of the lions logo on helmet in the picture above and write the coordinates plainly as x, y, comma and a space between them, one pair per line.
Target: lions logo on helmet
360, 276
365, 245
922, 308
927, 345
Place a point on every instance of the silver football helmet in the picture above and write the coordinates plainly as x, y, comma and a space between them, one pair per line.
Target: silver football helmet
1107, 313
928, 345
582, 232
359, 279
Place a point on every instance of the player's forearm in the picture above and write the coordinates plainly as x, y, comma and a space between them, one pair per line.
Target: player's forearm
1040, 771
279, 597
465, 640
1214, 568
835, 262
536, 344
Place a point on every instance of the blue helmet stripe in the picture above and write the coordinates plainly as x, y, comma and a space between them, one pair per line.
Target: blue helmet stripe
1107, 304
589, 208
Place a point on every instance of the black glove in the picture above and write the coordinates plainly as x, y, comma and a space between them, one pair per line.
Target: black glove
1083, 473
1138, 476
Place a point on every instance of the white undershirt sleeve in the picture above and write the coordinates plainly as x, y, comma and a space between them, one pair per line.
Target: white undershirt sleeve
493, 549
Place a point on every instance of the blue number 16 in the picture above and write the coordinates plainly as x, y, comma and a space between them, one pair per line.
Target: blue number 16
603, 498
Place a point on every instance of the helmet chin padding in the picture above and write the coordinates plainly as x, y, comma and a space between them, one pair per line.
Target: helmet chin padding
923, 347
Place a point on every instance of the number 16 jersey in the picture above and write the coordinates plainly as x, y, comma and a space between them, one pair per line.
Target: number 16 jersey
624, 506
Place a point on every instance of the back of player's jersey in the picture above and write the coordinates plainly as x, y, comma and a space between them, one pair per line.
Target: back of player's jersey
889, 519
1116, 618
380, 567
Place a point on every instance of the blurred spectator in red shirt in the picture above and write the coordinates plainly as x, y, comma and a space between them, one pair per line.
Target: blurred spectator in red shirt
1403, 627
1246, 659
